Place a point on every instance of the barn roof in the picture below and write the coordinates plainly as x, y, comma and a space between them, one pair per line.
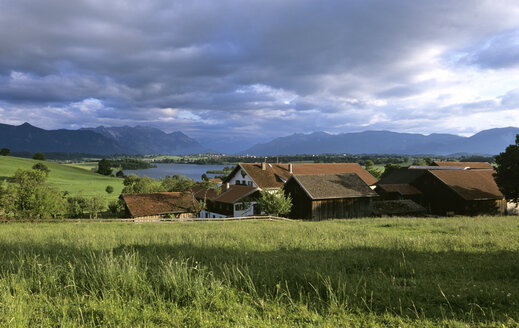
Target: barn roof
332, 186
275, 174
403, 189
158, 203
470, 184
472, 165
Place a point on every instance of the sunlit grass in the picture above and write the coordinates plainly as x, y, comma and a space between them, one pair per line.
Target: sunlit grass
67, 178
372, 272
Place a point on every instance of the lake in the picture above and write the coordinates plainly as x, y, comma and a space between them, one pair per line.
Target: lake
191, 171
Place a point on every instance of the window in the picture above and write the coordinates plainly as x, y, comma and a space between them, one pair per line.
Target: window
237, 182
249, 183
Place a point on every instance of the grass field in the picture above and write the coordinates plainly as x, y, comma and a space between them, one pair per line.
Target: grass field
67, 178
456, 272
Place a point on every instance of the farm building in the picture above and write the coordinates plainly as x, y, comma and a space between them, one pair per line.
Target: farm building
275, 175
327, 196
228, 201
159, 205
445, 191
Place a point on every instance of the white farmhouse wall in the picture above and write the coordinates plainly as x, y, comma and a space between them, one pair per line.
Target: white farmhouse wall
211, 215
246, 212
244, 179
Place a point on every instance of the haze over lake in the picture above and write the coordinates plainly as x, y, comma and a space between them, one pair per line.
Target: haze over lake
191, 171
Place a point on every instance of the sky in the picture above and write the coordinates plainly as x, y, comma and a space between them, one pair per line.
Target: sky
235, 73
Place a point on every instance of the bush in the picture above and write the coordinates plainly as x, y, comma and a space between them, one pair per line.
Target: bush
38, 156
109, 189
41, 167
5, 151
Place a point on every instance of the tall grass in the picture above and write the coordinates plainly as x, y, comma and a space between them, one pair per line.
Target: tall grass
371, 272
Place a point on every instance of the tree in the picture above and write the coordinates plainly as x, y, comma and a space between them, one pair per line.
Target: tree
76, 206
41, 167
176, 183
370, 167
135, 185
38, 156
275, 202
94, 205
104, 167
31, 197
389, 169
109, 189
5, 151
119, 174
507, 172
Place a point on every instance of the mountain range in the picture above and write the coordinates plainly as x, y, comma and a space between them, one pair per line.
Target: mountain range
487, 142
147, 140
100, 140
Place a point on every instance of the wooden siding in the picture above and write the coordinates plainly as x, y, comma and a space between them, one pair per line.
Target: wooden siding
342, 208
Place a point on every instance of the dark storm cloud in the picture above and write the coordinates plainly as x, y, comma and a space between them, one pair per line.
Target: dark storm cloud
250, 68
500, 51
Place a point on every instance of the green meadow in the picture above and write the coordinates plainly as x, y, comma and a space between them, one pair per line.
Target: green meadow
75, 180
453, 272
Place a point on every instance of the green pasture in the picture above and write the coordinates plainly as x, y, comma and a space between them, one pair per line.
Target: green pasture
67, 178
452, 272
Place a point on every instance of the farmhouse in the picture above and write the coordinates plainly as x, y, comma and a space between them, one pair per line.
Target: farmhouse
326, 196
228, 201
159, 205
445, 190
275, 175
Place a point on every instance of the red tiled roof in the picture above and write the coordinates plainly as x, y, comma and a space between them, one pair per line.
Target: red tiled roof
471, 184
275, 175
158, 203
472, 165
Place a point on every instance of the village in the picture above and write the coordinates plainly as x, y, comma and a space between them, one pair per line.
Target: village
322, 191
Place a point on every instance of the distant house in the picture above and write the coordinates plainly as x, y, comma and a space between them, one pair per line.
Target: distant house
327, 196
444, 191
159, 205
228, 201
275, 175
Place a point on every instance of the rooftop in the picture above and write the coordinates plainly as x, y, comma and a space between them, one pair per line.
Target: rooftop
158, 203
331, 186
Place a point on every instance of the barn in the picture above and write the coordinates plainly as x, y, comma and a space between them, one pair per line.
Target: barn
446, 190
328, 196
159, 205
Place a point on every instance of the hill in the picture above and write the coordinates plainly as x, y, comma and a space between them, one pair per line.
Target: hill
67, 178
488, 142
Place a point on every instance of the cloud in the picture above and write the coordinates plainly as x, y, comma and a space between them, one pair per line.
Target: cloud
256, 70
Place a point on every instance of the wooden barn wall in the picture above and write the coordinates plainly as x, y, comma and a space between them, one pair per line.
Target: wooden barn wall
301, 202
341, 208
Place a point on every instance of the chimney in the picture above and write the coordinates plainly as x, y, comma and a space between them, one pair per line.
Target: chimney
263, 166
227, 186
290, 167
